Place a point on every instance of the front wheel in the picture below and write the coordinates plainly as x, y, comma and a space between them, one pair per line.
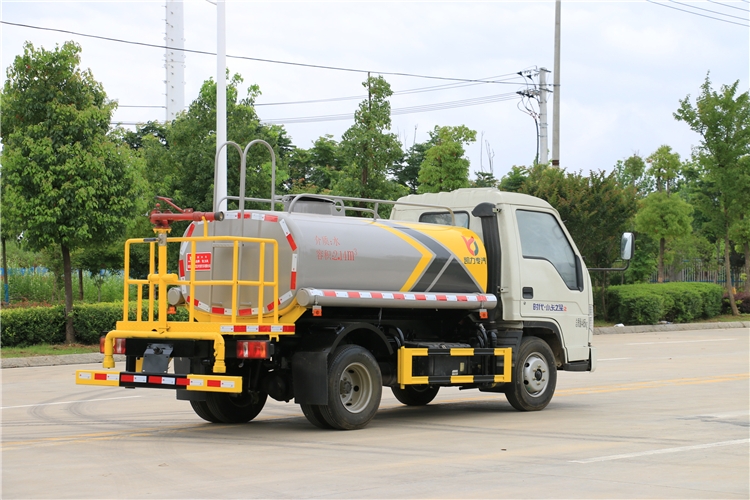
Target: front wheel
534, 376
235, 409
415, 395
354, 388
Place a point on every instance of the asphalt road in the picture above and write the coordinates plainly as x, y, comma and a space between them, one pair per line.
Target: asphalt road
666, 415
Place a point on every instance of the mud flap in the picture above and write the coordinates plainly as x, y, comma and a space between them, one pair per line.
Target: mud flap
310, 373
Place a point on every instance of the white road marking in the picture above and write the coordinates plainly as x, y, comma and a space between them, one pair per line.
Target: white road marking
67, 402
662, 451
612, 359
678, 341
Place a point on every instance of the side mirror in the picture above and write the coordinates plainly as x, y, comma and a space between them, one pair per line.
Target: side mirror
627, 246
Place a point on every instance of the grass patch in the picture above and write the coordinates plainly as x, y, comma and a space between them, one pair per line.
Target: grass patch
47, 350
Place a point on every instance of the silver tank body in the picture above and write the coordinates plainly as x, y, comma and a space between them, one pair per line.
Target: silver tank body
325, 252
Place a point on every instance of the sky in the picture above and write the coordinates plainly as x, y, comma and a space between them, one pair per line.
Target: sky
624, 65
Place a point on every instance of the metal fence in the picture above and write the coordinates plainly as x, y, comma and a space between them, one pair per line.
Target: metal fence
697, 271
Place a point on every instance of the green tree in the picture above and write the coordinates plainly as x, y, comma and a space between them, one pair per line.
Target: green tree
67, 182
664, 218
664, 173
445, 168
406, 172
632, 172
514, 180
315, 170
722, 119
370, 150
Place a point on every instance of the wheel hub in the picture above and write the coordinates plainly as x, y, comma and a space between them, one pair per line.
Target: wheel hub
355, 387
535, 374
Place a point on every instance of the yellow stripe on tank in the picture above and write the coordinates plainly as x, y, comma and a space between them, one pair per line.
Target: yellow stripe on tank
424, 261
461, 242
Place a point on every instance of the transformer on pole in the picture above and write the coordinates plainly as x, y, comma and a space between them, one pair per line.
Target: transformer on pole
175, 58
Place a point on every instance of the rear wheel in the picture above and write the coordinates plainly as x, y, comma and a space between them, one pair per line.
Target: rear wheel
315, 416
534, 376
415, 395
235, 409
201, 409
354, 388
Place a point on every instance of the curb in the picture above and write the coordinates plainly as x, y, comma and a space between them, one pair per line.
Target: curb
95, 357
65, 359
607, 330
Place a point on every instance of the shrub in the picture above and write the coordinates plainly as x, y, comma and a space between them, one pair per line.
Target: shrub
647, 304
33, 325
37, 325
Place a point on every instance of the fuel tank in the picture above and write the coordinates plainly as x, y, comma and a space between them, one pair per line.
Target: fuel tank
331, 252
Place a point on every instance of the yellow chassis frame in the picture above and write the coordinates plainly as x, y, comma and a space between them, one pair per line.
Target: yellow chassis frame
406, 365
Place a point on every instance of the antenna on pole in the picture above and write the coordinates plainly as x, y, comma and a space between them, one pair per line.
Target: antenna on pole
220, 176
175, 58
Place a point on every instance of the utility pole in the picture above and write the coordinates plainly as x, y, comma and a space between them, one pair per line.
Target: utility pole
220, 189
175, 58
543, 147
556, 92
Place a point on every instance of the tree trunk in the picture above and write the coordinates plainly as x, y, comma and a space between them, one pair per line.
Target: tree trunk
660, 277
747, 266
5, 271
70, 335
728, 277
80, 285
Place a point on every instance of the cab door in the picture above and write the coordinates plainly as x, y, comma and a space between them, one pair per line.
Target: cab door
551, 278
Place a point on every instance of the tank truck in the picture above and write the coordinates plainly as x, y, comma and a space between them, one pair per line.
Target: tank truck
319, 301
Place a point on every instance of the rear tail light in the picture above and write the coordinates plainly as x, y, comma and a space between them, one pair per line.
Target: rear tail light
119, 347
252, 349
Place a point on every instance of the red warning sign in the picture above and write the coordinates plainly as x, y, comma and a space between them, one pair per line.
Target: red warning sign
202, 261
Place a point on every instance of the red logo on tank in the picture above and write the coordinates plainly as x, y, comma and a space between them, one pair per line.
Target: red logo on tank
471, 245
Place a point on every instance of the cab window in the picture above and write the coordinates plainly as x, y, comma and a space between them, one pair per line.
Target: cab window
543, 238
444, 218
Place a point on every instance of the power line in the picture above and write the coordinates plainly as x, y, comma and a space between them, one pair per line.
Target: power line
729, 6
400, 92
709, 10
256, 59
697, 14
399, 111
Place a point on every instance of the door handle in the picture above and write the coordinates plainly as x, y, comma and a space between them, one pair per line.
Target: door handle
528, 292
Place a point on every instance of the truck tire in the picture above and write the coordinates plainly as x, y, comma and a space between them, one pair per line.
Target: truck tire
415, 395
235, 409
201, 409
354, 388
315, 416
534, 376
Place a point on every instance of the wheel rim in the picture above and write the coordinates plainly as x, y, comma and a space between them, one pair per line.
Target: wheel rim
535, 374
355, 387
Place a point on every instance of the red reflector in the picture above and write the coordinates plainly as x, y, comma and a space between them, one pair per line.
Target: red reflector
126, 378
119, 346
252, 349
154, 380
101, 343
100, 376
317, 311
214, 383
183, 381
483, 313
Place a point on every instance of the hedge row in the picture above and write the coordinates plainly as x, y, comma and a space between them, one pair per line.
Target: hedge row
46, 325
648, 304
